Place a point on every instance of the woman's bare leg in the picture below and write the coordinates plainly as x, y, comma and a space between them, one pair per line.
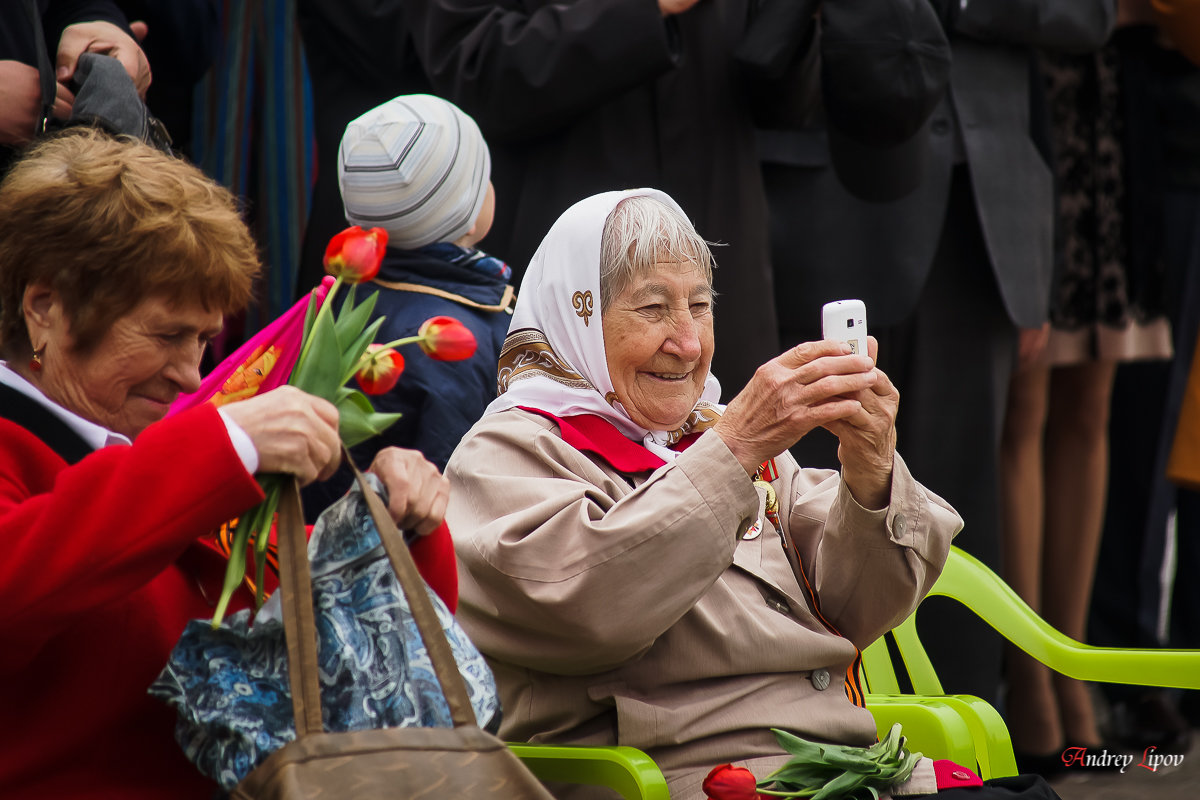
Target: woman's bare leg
1031, 707
1076, 483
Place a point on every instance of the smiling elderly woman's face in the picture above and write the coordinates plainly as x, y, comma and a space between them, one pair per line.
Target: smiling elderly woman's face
658, 340
132, 375
657, 312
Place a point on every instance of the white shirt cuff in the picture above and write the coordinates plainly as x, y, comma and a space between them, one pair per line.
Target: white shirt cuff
242, 443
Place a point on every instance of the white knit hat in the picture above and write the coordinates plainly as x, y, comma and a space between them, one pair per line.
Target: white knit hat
415, 166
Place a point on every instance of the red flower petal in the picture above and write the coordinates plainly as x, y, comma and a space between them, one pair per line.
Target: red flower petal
355, 254
446, 339
728, 782
382, 370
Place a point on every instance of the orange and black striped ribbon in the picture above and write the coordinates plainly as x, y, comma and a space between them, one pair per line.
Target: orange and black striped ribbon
224, 542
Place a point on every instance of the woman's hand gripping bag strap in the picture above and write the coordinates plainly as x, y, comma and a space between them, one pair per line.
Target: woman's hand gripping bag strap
461, 761
231, 685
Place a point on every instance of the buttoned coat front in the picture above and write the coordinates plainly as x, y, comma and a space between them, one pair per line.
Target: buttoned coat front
640, 608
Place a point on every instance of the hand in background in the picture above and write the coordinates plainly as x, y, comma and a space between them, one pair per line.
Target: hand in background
292, 431
1031, 343
669, 7
417, 492
107, 39
1134, 12
21, 102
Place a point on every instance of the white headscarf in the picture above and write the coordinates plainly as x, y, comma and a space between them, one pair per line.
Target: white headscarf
554, 358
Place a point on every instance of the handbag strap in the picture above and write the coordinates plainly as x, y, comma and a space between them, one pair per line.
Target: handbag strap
300, 627
45, 68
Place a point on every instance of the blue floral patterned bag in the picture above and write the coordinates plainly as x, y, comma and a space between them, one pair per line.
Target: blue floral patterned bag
230, 685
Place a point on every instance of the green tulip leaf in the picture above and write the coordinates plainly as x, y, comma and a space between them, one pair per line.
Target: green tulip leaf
358, 421
319, 368
355, 350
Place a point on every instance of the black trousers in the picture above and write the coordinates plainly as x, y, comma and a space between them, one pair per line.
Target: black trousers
950, 360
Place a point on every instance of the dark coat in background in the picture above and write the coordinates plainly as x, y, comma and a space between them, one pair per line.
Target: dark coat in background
949, 273
359, 55
582, 97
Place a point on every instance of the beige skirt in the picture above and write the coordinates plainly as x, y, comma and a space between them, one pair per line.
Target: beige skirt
1135, 342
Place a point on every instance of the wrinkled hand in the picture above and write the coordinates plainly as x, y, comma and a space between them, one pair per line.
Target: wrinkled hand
417, 492
21, 102
811, 385
292, 431
107, 39
867, 438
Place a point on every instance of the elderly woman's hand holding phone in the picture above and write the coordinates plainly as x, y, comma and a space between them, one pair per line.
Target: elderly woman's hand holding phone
820, 384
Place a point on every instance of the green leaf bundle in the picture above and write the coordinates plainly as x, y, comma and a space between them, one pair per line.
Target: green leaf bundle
839, 772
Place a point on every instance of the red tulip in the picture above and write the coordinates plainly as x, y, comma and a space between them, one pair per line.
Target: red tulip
446, 339
728, 782
354, 255
381, 368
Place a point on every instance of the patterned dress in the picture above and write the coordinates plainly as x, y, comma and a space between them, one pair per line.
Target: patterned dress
1094, 313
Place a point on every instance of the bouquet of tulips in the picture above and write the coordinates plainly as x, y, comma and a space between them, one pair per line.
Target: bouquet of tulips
334, 349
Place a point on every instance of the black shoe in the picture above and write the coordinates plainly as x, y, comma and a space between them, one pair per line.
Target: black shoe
1189, 706
1048, 765
1151, 720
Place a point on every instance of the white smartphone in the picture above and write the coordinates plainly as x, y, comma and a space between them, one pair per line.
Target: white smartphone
846, 320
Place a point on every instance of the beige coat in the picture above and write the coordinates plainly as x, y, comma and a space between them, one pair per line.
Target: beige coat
627, 609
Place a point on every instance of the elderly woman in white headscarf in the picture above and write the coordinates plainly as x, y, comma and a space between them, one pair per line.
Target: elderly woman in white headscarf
645, 567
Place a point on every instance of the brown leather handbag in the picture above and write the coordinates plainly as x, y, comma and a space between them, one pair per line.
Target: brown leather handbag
458, 762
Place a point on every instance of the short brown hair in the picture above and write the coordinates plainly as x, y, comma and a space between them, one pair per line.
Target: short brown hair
107, 223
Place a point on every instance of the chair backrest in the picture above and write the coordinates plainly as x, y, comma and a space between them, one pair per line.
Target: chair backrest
966, 580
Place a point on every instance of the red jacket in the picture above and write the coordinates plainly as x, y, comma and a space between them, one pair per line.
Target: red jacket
100, 569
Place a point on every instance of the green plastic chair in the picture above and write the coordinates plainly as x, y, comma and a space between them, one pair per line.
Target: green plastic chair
968, 581
962, 728
628, 771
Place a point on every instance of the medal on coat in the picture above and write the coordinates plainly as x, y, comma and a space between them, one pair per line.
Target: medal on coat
763, 477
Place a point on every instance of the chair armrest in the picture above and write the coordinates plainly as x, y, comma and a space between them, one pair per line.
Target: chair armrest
626, 770
933, 727
968, 581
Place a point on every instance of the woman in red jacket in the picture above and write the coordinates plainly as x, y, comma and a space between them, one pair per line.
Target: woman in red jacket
117, 264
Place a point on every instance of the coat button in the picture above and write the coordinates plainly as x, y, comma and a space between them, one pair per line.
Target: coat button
899, 523
959, 775
941, 126
820, 679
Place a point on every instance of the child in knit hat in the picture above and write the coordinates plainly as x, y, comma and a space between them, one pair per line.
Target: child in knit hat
418, 167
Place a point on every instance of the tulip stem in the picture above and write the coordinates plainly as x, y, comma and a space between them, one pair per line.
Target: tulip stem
400, 341
365, 358
326, 305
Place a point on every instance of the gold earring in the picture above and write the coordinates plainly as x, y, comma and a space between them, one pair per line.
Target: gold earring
35, 363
